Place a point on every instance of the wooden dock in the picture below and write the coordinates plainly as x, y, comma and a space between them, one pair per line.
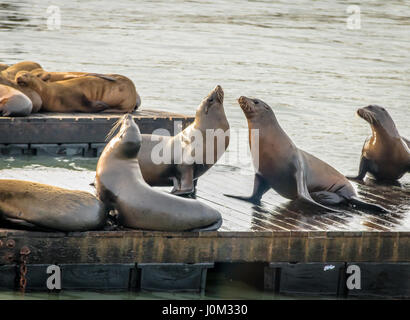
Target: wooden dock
294, 250
75, 134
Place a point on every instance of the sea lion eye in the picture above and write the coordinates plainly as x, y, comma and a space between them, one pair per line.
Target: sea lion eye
211, 99
255, 101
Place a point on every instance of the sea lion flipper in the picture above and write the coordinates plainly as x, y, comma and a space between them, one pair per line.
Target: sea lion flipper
102, 76
184, 185
366, 205
99, 106
327, 197
260, 186
363, 168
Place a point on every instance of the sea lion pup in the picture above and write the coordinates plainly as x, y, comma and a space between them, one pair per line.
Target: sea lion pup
183, 167
385, 154
290, 171
13, 102
120, 185
50, 207
10, 72
94, 93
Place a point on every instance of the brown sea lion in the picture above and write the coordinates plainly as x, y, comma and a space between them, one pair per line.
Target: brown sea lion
94, 93
385, 154
13, 102
3, 66
120, 185
290, 171
10, 72
35, 204
180, 171
30, 93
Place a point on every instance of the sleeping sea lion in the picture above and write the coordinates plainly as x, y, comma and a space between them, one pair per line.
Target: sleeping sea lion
121, 186
13, 102
385, 154
35, 204
10, 72
94, 93
290, 171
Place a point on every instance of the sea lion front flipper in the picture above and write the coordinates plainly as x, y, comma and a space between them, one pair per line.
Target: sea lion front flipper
363, 168
368, 206
98, 106
184, 185
100, 75
260, 186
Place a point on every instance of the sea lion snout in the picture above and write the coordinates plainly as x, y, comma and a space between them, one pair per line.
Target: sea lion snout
22, 78
219, 93
246, 104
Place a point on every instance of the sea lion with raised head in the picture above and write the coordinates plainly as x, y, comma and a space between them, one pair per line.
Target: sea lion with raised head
290, 171
121, 186
14, 103
385, 154
35, 204
91, 93
210, 129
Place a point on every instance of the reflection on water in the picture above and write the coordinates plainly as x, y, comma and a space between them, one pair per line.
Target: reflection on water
298, 57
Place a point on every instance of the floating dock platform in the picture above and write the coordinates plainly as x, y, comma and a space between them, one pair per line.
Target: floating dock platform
282, 246
289, 249
75, 133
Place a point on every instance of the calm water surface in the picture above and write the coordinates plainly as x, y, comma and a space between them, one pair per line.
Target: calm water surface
299, 57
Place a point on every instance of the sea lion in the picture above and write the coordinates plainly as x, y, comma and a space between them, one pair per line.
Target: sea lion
120, 185
50, 207
290, 171
3, 66
10, 72
30, 93
13, 102
385, 154
91, 93
179, 171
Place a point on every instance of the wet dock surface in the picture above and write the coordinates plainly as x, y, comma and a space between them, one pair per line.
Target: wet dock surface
279, 214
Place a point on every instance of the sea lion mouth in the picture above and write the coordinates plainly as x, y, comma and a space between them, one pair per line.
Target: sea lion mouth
366, 115
245, 104
219, 93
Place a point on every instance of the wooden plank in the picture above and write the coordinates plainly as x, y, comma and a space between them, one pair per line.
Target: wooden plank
197, 247
79, 128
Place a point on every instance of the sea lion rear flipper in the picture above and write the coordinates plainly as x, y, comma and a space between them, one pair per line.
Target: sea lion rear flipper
365, 205
363, 168
327, 197
260, 186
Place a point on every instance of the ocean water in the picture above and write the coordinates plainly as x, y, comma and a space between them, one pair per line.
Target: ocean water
303, 58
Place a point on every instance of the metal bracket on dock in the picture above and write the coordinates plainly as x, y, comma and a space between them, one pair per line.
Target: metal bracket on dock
172, 277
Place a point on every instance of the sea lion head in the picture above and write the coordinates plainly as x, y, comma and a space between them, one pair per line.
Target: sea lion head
127, 142
255, 109
41, 74
378, 118
24, 78
211, 113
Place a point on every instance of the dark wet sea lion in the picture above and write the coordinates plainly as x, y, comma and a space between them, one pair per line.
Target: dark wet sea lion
50, 207
31, 94
385, 154
183, 173
13, 102
10, 72
120, 185
290, 171
95, 93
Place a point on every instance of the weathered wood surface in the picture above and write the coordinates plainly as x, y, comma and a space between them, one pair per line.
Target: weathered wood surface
195, 247
50, 128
